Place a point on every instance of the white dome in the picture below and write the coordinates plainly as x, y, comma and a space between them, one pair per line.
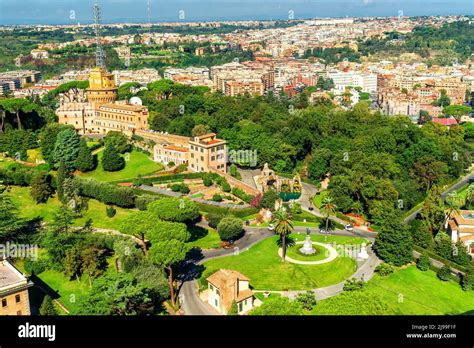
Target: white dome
136, 101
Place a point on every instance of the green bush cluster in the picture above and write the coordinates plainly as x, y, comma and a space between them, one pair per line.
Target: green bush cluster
107, 193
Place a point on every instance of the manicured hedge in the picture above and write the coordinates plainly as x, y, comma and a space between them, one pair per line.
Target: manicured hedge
165, 178
107, 193
440, 259
240, 213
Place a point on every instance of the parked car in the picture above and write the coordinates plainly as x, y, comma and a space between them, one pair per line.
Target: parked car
349, 227
271, 227
310, 208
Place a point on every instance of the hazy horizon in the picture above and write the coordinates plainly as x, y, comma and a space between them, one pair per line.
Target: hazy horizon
120, 11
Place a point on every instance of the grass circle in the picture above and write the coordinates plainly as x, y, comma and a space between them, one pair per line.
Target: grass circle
295, 253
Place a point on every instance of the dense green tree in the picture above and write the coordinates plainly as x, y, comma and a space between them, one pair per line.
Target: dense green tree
117, 294
229, 228
394, 243
307, 300
168, 254
67, 148
41, 187
278, 306
47, 307
118, 140
354, 303
48, 138
10, 221
111, 159
174, 209
85, 161
268, 199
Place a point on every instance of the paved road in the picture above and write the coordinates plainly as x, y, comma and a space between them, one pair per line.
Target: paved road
193, 305
463, 181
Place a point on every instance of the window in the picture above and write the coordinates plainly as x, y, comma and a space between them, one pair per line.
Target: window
4, 302
213, 158
18, 313
218, 292
17, 298
202, 158
241, 307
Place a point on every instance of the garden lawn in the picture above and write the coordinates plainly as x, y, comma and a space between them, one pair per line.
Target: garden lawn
263, 266
97, 210
317, 200
203, 238
139, 164
423, 293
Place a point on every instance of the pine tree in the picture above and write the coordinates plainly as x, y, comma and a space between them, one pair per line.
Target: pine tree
85, 161
47, 307
61, 176
67, 148
111, 160
41, 189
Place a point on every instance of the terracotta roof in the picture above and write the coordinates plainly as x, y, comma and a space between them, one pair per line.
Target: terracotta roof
227, 281
445, 121
175, 148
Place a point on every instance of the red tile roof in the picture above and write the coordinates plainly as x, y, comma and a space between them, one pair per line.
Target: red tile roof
445, 121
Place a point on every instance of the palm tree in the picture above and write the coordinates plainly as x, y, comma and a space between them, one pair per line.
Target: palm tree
453, 204
329, 208
283, 227
469, 194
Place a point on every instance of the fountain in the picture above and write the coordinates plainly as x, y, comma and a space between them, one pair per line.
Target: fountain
307, 248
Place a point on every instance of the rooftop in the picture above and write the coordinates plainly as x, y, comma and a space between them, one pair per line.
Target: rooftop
10, 277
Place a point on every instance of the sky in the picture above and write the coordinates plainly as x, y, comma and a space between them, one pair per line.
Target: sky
74, 11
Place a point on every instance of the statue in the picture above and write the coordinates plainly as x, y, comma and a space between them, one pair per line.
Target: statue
307, 248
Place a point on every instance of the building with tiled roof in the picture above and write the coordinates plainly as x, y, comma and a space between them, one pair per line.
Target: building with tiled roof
14, 299
461, 228
226, 286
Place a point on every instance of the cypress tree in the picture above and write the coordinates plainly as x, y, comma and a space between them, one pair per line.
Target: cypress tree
85, 161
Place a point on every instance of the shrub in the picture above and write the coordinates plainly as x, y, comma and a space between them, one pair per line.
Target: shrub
353, 285
268, 200
225, 186
110, 211
384, 269
175, 187
111, 160
467, 282
171, 164
444, 273
207, 181
34, 267
307, 300
184, 189
423, 263
217, 198
229, 228
242, 195
213, 219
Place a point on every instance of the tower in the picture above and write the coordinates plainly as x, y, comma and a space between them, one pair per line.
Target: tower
99, 53
102, 88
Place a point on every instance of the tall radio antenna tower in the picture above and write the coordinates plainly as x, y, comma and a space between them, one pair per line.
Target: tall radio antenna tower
99, 53
149, 15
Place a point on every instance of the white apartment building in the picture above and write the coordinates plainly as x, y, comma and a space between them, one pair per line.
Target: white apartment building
342, 80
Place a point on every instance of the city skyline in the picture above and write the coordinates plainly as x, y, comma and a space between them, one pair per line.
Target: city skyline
74, 11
